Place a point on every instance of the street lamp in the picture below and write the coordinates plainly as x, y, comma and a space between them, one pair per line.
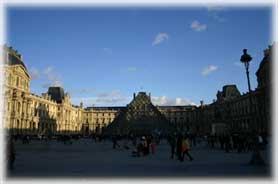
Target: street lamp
256, 156
246, 59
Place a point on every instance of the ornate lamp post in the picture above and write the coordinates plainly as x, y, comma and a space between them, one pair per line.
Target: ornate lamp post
246, 59
256, 156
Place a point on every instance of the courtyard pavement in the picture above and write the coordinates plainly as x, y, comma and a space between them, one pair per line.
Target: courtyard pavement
87, 159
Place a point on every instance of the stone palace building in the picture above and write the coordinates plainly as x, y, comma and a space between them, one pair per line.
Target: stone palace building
53, 113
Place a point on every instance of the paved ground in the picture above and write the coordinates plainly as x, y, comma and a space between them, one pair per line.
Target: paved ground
87, 159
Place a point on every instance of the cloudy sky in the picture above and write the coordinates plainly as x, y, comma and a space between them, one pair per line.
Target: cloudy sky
101, 56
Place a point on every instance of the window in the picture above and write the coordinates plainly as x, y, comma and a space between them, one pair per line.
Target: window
18, 107
17, 81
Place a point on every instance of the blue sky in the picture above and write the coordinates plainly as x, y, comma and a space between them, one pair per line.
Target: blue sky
102, 56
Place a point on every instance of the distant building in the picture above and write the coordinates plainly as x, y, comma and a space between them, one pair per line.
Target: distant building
96, 119
184, 118
229, 92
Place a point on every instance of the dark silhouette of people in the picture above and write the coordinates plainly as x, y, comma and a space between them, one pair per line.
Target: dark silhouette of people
172, 141
10, 153
115, 143
153, 146
221, 140
179, 147
227, 143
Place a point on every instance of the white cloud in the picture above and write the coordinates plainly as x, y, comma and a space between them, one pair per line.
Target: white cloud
161, 37
102, 99
131, 69
239, 64
87, 101
213, 8
197, 26
164, 101
107, 50
217, 17
35, 74
82, 91
52, 76
48, 70
209, 69
46, 85
114, 97
213, 12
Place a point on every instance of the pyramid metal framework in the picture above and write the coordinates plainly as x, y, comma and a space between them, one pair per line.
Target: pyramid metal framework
140, 117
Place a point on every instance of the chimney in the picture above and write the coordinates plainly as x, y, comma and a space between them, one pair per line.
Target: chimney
81, 104
202, 103
134, 95
150, 96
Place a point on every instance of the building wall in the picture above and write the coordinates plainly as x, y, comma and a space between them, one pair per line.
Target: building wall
182, 117
97, 118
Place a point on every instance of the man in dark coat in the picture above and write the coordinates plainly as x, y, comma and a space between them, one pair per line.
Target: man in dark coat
172, 141
179, 146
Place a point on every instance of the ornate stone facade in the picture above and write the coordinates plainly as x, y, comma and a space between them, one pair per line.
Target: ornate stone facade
50, 113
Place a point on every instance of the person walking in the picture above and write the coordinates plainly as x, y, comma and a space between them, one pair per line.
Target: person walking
185, 148
115, 143
179, 147
227, 143
153, 146
172, 141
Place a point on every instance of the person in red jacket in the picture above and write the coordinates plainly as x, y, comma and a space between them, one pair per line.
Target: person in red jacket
185, 148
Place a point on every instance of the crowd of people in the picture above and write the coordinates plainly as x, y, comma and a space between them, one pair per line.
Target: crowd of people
236, 142
146, 146
143, 145
180, 146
